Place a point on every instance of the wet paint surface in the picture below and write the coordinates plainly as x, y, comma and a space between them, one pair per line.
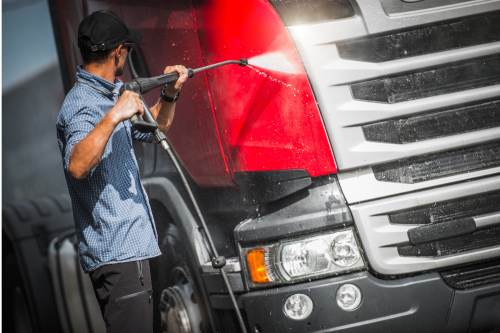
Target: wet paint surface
268, 119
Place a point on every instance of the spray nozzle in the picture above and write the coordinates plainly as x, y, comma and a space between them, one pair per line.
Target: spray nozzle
243, 62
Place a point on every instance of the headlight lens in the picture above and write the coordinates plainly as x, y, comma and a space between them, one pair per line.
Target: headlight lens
345, 251
306, 257
303, 258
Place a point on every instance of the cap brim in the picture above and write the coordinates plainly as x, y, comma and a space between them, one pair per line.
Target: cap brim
134, 37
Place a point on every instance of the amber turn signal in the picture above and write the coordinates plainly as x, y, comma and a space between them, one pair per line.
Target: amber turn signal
256, 264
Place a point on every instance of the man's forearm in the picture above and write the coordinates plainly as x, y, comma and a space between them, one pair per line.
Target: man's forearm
163, 112
88, 152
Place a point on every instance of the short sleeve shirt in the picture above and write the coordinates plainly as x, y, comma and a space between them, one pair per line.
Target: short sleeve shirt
111, 209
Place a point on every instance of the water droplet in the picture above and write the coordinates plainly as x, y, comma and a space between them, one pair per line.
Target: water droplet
275, 80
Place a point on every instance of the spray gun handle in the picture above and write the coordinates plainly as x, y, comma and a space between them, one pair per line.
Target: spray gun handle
143, 124
147, 83
146, 123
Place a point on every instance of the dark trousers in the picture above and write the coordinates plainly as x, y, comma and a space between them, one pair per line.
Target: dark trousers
125, 295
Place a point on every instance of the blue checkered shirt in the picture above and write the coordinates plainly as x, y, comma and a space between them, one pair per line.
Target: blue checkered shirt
110, 206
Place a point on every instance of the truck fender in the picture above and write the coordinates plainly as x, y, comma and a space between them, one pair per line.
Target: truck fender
165, 192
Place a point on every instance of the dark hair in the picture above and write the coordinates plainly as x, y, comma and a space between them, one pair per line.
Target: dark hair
89, 56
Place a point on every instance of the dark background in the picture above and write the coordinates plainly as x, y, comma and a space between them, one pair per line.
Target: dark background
32, 93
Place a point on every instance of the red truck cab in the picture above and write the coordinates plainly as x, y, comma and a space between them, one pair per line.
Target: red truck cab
349, 175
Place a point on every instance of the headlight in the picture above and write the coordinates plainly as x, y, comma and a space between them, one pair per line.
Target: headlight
291, 260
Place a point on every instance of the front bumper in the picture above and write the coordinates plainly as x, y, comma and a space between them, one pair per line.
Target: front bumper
416, 304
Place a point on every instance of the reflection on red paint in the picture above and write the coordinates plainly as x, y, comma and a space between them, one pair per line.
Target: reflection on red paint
266, 122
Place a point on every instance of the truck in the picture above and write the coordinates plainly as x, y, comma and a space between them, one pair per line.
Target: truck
356, 191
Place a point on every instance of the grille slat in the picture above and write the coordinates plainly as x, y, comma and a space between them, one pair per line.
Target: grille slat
437, 165
436, 124
440, 212
463, 32
444, 79
449, 226
436, 232
473, 276
480, 239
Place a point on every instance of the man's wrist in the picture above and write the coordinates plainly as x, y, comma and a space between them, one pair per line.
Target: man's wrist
168, 96
113, 118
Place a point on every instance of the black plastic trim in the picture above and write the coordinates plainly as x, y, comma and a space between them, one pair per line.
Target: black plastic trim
267, 186
439, 80
439, 231
312, 210
444, 122
435, 37
437, 165
418, 304
480, 239
473, 276
215, 285
450, 210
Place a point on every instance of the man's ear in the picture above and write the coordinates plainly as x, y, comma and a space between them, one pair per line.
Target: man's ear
115, 53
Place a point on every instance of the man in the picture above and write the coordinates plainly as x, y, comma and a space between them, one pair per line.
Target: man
115, 226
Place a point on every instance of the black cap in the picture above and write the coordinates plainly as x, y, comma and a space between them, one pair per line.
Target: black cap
104, 30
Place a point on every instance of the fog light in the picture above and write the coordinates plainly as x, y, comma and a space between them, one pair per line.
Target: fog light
298, 307
348, 297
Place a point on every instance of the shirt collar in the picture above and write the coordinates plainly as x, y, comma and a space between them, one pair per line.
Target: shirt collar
104, 86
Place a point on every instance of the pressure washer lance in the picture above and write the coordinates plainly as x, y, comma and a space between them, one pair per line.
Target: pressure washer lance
143, 85
147, 123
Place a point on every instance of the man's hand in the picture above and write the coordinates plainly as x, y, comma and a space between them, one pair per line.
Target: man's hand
88, 152
172, 89
127, 105
163, 111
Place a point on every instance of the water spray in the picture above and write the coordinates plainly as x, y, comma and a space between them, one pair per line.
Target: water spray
274, 61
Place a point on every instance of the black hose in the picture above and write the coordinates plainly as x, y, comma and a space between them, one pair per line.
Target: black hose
217, 261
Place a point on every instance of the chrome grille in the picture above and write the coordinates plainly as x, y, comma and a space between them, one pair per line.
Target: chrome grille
372, 71
409, 95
